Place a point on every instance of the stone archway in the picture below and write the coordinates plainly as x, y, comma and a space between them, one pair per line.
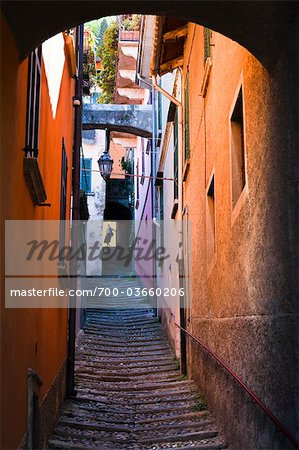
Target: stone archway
133, 119
263, 28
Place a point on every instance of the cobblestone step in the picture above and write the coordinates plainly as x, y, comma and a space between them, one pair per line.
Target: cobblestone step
130, 393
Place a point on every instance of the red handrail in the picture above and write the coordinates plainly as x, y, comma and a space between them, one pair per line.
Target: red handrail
277, 422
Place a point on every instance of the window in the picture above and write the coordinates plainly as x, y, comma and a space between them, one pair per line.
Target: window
159, 111
175, 157
210, 221
63, 182
89, 136
142, 162
33, 102
85, 175
186, 122
207, 43
63, 192
238, 178
137, 184
161, 213
148, 146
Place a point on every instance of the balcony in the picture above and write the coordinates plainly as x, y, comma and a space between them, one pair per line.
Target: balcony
129, 35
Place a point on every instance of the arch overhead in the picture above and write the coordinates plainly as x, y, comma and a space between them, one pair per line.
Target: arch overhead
263, 28
133, 119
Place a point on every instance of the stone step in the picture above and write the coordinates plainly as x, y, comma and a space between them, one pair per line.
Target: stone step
145, 386
123, 378
122, 343
128, 348
199, 435
130, 394
141, 366
137, 358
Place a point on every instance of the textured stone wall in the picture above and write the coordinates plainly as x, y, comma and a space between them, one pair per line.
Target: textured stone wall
51, 405
244, 305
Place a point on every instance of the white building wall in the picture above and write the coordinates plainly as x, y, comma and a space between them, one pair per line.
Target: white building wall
144, 186
96, 200
168, 274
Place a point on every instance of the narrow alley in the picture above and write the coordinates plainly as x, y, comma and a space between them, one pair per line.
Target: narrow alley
149, 197
130, 392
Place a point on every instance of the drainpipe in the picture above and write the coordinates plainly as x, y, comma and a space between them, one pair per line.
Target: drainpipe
180, 209
77, 101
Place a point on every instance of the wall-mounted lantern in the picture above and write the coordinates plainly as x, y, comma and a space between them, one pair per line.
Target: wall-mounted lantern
105, 162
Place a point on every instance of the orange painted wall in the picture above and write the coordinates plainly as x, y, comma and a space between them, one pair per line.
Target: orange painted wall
35, 338
242, 304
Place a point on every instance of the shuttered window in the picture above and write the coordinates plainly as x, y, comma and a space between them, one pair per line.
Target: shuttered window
159, 110
63, 195
211, 222
161, 213
33, 102
63, 188
85, 175
187, 117
175, 157
207, 43
237, 150
137, 184
142, 161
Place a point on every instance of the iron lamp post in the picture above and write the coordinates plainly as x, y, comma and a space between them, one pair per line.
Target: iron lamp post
105, 162
105, 165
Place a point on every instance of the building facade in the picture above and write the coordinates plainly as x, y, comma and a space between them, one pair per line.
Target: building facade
37, 136
238, 164
216, 136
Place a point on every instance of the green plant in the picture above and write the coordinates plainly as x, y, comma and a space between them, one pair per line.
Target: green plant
183, 378
98, 27
132, 23
177, 365
125, 165
108, 54
201, 404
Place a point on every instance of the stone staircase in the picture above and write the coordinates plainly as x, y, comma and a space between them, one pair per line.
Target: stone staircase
130, 392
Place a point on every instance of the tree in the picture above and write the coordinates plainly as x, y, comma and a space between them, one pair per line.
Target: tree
108, 54
103, 28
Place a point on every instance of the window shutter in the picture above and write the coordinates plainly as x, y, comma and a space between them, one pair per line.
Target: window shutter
175, 157
85, 175
33, 102
207, 43
187, 117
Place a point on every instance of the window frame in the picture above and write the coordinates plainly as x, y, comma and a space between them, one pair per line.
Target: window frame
187, 149
207, 40
137, 185
87, 192
142, 162
175, 156
212, 260
236, 209
34, 82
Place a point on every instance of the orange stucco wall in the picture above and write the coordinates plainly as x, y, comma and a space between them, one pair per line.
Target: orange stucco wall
35, 338
242, 304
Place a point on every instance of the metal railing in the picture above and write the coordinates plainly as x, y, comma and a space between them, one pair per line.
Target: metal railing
274, 419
